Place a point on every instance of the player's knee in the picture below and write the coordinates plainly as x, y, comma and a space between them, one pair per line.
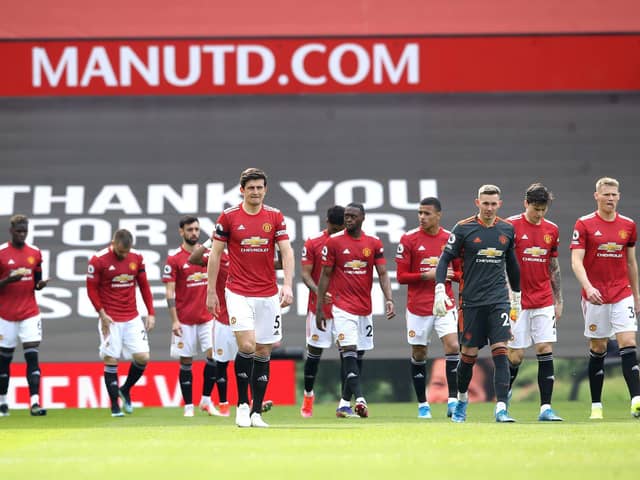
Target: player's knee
141, 358
598, 346
314, 350
186, 360
263, 350
27, 345
516, 356
543, 348
419, 353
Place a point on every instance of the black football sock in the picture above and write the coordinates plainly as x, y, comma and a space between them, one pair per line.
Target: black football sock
135, 372
451, 368
596, 375
243, 367
111, 382
221, 382
465, 371
209, 374
419, 378
545, 377
310, 371
259, 381
630, 370
186, 383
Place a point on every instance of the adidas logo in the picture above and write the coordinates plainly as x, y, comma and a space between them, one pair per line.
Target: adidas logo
351, 375
346, 251
111, 268
243, 375
421, 248
186, 383
600, 372
241, 227
419, 375
524, 237
11, 262
551, 377
186, 265
262, 378
597, 234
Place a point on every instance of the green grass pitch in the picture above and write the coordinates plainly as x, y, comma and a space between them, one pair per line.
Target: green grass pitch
158, 443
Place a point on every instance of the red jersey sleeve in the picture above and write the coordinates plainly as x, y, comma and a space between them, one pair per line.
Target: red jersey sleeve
329, 254
94, 271
281, 228
308, 254
145, 288
579, 239
170, 269
222, 230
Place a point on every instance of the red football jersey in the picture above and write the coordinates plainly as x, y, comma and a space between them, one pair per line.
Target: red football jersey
605, 258
312, 255
17, 299
251, 241
417, 253
535, 245
116, 280
191, 287
352, 260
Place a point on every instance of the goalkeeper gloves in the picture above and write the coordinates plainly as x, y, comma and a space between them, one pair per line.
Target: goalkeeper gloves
514, 313
441, 301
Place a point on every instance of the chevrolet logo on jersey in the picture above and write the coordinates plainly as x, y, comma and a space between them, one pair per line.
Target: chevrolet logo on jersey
535, 251
254, 242
197, 277
610, 247
20, 271
490, 252
122, 278
355, 264
431, 261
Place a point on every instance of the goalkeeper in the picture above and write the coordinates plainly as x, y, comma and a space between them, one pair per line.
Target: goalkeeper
486, 244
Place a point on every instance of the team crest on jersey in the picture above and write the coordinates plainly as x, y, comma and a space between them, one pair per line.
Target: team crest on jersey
366, 252
220, 351
32, 260
477, 240
232, 320
341, 336
592, 327
412, 333
548, 239
133, 266
503, 240
180, 345
267, 227
623, 234
315, 337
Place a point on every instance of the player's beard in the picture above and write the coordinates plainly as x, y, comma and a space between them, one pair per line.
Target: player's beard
191, 241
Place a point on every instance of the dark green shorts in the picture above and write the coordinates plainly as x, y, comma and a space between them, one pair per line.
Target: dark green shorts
487, 324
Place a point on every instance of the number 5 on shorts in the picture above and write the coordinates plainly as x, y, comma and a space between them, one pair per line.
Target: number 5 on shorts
276, 325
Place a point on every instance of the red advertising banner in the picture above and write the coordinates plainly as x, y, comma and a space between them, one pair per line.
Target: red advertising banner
81, 385
321, 65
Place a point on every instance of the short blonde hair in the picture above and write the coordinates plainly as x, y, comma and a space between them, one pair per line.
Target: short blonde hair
607, 182
489, 190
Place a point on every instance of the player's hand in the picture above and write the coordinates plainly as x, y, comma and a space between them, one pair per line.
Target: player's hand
328, 298
150, 322
321, 322
390, 309
450, 274
594, 296
286, 296
176, 329
16, 277
516, 307
105, 324
213, 304
557, 310
441, 301
42, 283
